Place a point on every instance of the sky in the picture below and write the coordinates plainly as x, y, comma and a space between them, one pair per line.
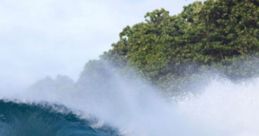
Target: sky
40, 38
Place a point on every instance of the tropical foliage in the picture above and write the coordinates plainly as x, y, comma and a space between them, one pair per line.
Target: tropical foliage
215, 34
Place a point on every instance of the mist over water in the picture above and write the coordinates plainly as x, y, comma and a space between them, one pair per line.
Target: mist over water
225, 108
136, 108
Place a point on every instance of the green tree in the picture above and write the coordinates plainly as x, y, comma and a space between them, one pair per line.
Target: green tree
211, 34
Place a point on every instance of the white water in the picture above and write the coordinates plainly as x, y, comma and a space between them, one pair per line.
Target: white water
225, 108
222, 108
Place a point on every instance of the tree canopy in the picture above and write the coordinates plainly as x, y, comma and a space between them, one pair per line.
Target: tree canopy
214, 33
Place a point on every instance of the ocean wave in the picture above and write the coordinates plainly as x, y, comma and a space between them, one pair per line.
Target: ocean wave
44, 119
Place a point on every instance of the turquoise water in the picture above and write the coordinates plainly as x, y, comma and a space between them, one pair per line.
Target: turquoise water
19, 119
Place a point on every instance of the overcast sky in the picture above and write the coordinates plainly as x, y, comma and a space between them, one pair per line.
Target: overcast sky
50, 37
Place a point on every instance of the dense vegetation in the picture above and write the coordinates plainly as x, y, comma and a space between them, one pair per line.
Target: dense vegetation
215, 34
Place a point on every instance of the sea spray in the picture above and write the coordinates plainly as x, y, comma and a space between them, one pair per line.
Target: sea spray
135, 108
225, 108
129, 104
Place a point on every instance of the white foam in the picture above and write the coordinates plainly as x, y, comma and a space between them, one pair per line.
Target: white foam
222, 108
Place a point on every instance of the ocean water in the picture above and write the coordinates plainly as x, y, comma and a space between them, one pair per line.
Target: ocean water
20, 119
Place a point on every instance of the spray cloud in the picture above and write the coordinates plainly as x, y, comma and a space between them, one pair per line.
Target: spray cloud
135, 107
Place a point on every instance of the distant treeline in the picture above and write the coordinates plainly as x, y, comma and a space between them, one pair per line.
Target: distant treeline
215, 34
